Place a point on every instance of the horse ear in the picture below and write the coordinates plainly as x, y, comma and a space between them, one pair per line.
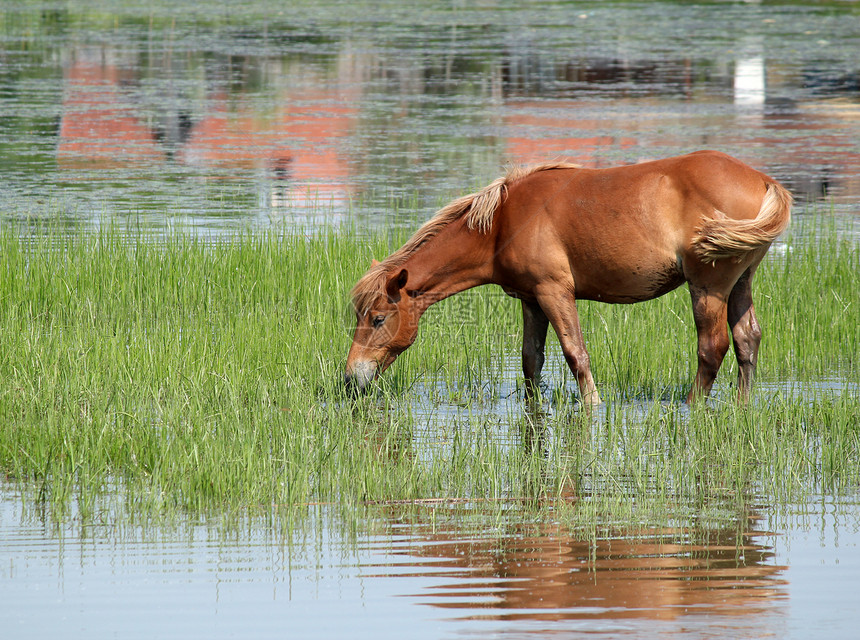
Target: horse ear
373, 262
395, 284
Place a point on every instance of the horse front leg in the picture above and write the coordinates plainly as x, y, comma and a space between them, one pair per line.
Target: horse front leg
746, 333
535, 324
559, 306
709, 313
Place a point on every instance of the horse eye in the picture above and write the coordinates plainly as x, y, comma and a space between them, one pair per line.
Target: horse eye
377, 321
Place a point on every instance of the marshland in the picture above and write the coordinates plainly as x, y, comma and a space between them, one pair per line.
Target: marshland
188, 198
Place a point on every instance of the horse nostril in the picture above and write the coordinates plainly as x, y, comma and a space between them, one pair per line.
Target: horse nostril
360, 375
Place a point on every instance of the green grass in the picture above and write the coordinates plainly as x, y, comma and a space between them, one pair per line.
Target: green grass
156, 376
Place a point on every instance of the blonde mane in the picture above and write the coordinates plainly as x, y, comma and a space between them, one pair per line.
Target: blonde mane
478, 209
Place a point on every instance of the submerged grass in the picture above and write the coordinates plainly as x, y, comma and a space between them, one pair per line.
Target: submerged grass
181, 376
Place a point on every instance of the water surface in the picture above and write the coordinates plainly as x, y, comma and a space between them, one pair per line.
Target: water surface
194, 116
436, 570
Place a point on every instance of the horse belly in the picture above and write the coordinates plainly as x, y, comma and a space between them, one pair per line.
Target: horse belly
626, 282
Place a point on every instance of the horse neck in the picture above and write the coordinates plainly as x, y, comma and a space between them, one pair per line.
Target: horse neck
454, 260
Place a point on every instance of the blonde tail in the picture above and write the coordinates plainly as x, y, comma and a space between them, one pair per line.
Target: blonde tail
723, 237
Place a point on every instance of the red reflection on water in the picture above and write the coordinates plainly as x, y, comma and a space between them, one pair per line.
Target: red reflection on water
100, 127
236, 138
296, 128
546, 129
298, 144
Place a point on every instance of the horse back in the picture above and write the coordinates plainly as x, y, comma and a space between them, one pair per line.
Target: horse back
621, 234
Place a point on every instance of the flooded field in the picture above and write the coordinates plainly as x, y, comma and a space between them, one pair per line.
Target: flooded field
444, 506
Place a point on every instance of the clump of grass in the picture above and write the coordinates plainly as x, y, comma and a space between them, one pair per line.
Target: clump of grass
183, 376
810, 305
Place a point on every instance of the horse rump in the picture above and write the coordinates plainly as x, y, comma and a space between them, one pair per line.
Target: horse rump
723, 237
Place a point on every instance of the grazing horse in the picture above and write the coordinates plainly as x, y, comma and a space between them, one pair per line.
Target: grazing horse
551, 233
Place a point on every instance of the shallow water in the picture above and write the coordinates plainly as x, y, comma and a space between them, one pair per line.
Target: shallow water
435, 570
190, 115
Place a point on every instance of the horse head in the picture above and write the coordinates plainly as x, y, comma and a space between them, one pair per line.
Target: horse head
386, 324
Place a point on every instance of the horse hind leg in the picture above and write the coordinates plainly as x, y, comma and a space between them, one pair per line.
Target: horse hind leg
709, 314
746, 332
535, 324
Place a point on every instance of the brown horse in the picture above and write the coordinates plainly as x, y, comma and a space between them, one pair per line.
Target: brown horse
551, 233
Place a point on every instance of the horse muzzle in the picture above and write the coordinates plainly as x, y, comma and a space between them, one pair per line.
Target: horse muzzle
360, 375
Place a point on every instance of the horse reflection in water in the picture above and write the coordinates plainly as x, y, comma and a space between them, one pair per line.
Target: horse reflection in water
550, 234
544, 572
